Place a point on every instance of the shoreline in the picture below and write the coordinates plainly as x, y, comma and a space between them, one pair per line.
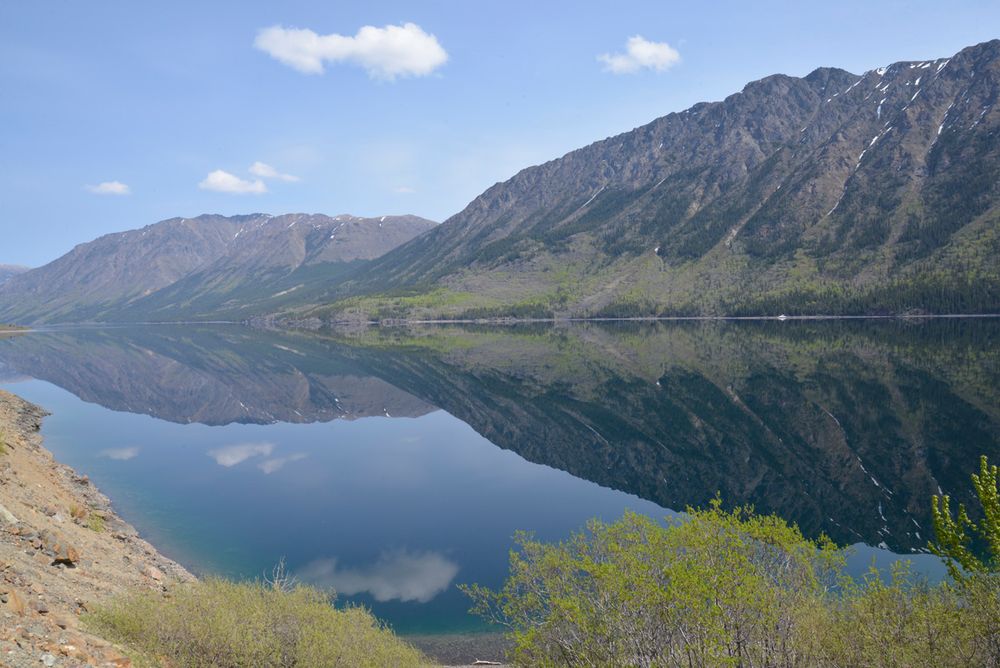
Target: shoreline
57, 560
282, 324
63, 548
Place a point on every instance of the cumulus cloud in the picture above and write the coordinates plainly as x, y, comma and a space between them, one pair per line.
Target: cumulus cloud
640, 54
119, 454
110, 188
396, 575
269, 466
384, 53
231, 455
266, 171
223, 182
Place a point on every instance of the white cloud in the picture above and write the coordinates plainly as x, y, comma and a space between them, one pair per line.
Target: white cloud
396, 575
224, 182
231, 455
404, 190
119, 454
110, 188
266, 171
385, 53
269, 466
639, 54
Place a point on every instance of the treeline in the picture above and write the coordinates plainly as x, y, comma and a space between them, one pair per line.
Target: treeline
909, 296
923, 295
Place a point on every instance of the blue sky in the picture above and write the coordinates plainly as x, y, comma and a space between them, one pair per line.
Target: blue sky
153, 101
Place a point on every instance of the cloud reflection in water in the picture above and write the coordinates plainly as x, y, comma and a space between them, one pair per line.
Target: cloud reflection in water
396, 575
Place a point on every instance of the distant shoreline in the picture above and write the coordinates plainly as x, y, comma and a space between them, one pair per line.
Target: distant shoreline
396, 322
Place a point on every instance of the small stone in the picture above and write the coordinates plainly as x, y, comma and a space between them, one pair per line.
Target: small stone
153, 572
41, 608
60, 551
48, 660
16, 604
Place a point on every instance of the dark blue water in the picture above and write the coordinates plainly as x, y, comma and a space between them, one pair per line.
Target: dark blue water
393, 466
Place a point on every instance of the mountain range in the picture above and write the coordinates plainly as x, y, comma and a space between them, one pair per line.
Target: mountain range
208, 267
833, 193
830, 193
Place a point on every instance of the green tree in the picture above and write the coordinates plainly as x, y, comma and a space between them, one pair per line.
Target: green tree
957, 535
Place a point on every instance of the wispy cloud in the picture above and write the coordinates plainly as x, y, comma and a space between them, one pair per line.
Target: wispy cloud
640, 54
223, 182
384, 53
269, 466
265, 171
109, 188
396, 575
231, 455
404, 190
119, 454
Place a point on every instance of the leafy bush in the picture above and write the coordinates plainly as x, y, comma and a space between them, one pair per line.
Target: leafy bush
730, 589
250, 624
902, 622
720, 588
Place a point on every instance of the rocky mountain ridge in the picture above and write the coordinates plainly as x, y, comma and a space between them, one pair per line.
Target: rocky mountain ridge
833, 192
118, 276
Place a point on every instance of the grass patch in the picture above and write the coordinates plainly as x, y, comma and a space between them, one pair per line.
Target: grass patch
95, 522
234, 625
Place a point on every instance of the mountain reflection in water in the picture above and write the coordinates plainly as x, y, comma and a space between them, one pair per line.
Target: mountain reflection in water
843, 427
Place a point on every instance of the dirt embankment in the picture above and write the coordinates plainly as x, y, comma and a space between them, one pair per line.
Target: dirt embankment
62, 548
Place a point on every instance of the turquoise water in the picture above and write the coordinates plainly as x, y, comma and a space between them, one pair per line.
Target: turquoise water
393, 465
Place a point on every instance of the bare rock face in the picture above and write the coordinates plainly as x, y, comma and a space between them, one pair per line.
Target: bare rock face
228, 262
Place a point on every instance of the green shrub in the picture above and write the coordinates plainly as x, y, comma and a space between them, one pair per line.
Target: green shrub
720, 588
900, 622
730, 589
95, 522
249, 624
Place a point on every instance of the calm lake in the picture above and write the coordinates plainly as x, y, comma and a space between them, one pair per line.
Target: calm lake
393, 464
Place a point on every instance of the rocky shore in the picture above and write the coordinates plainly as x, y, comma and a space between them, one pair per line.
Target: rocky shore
62, 549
